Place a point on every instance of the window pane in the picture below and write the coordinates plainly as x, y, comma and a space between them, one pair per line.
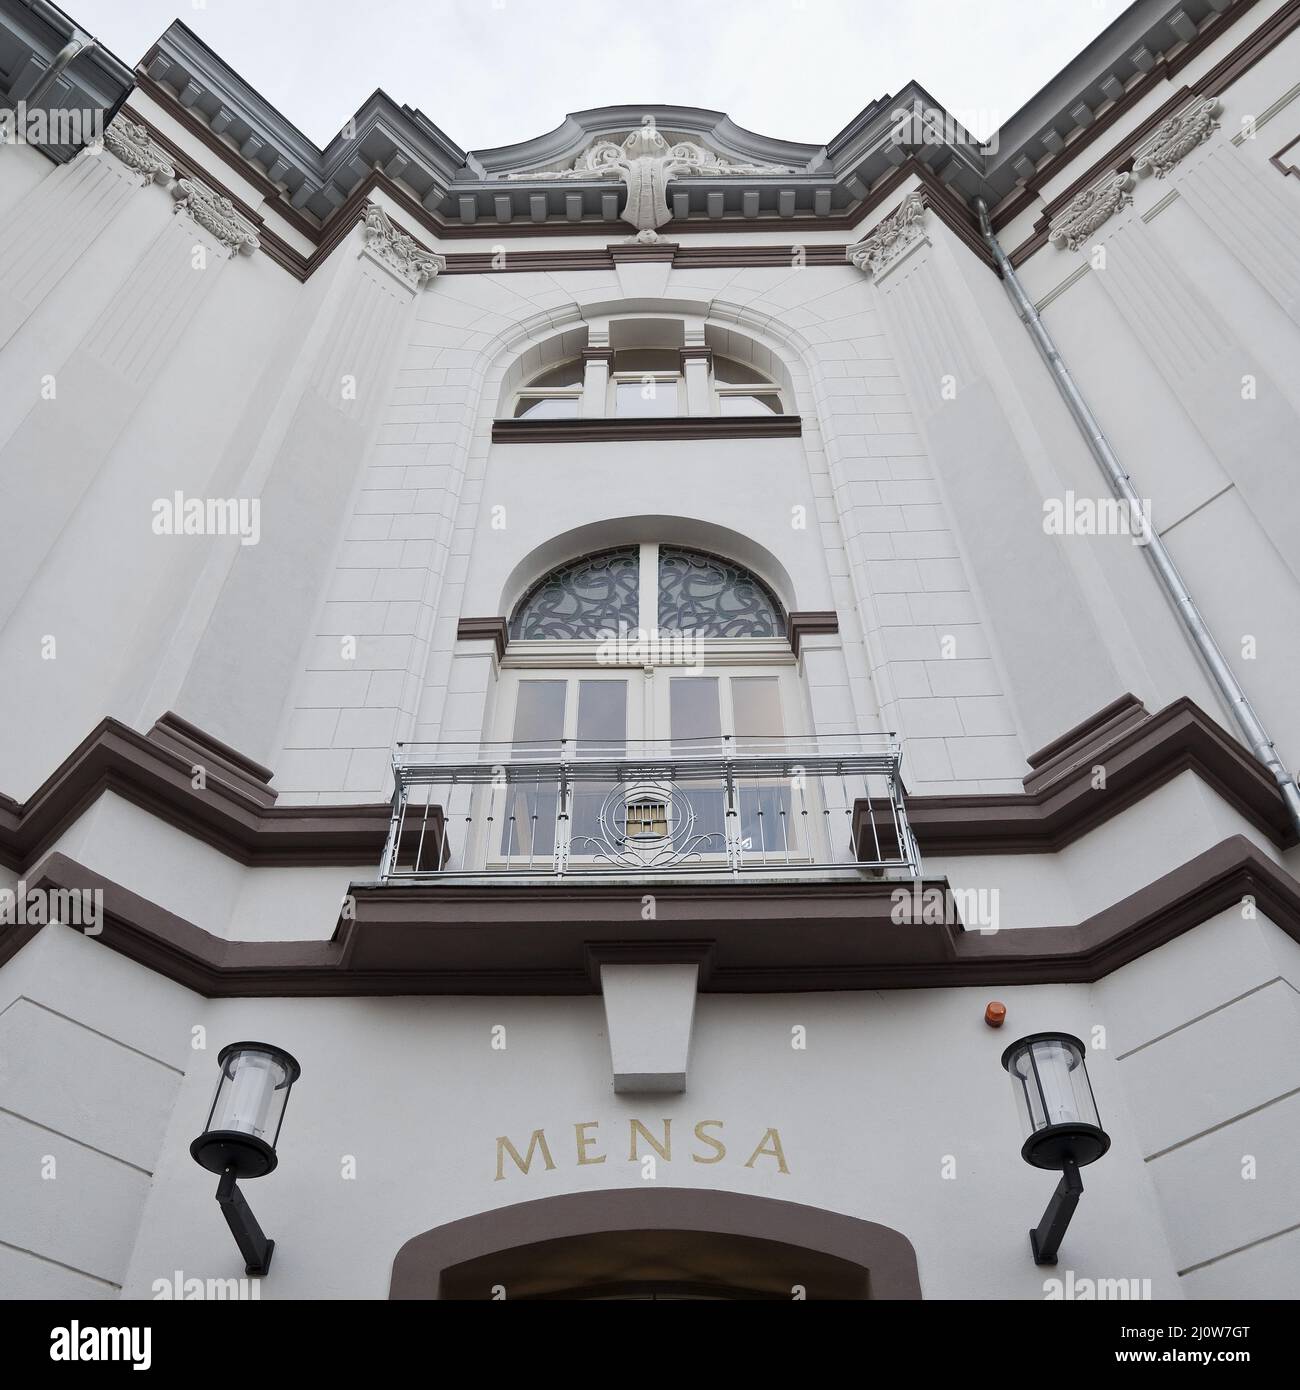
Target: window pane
749, 405
756, 703
647, 360
696, 725
602, 732
730, 372
554, 408
714, 598
539, 716
766, 823
635, 399
529, 804
602, 716
693, 713
566, 374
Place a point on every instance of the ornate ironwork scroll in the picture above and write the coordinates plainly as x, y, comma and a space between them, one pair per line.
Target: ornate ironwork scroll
596, 596
713, 598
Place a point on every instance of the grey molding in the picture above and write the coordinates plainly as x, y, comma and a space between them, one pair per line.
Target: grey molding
381, 134
461, 187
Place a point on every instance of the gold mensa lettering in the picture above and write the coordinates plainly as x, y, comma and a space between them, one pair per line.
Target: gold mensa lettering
537, 1140
664, 1150
775, 1151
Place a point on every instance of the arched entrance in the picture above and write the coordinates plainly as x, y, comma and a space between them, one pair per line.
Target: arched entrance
660, 1243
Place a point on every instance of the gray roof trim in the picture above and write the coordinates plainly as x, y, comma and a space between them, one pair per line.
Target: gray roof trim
579, 129
460, 188
31, 34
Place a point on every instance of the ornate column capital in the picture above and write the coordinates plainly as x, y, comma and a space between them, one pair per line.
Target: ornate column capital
1090, 209
891, 238
137, 149
1178, 137
215, 215
398, 253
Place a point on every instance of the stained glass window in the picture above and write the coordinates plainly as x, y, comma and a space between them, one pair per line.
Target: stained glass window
714, 598
596, 596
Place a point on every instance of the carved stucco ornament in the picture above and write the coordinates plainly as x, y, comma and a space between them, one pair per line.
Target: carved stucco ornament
215, 215
647, 163
891, 239
1090, 209
399, 253
1178, 137
137, 149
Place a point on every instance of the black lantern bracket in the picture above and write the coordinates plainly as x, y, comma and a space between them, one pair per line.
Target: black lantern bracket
253, 1244
1045, 1238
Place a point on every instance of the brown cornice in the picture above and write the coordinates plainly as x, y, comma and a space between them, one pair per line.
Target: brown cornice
635, 252
801, 625
233, 810
1060, 802
515, 939
484, 630
649, 427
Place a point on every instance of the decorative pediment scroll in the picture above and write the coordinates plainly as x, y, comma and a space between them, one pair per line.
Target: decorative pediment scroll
647, 163
396, 252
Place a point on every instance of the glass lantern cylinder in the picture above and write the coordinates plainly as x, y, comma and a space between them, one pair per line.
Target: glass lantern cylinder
1055, 1100
247, 1110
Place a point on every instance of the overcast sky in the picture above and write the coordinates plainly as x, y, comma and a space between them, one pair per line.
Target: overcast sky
490, 72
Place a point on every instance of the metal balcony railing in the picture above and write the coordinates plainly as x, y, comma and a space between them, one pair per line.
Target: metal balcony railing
578, 809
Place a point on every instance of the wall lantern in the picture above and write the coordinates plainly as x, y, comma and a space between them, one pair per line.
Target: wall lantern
1064, 1131
239, 1138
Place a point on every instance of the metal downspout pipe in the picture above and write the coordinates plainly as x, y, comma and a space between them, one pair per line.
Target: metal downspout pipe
55, 70
1253, 731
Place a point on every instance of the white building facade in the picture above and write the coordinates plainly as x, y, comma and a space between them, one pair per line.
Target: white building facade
620, 656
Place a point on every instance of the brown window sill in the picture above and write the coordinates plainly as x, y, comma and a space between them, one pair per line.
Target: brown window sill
646, 427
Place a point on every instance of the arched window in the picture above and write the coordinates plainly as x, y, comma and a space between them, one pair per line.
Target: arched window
648, 378
599, 596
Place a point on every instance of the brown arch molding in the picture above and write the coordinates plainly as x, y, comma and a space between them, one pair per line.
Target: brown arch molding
831, 1255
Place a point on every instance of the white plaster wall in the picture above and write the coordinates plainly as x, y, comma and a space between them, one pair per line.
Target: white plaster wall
1204, 1032
1193, 1065
855, 1111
